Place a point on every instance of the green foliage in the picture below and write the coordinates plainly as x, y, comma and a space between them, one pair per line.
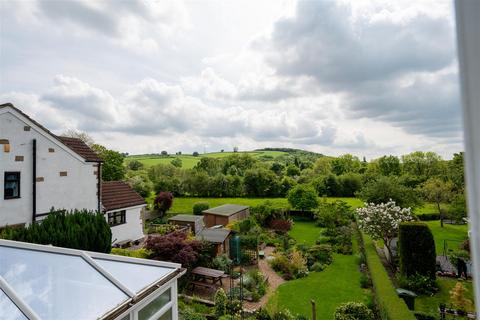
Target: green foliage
428, 216
418, 283
391, 307
135, 165
458, 208
321, 253
346, 163
112, 166
333, 214
385, 188
177, 162
78, 229
199, 207
220, 303
261, 182
437, 191
303, 197
222, 262
139, 253
416, 248
424, 316
389, 165
353, 311
140, 182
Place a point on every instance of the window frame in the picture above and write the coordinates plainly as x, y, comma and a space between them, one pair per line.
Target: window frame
112, 215
18, 174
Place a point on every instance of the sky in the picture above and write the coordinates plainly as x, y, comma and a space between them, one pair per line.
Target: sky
363, 77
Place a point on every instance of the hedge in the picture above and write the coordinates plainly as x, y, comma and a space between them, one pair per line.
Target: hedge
428, 216
416, 248
391, 307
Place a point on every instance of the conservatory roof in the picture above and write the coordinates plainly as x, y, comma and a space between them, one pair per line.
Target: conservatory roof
46, 282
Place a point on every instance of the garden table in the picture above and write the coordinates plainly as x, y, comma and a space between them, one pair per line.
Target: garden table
204, 274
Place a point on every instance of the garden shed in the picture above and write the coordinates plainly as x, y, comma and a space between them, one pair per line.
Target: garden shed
46, 282
195, 223
220, 237
225, 214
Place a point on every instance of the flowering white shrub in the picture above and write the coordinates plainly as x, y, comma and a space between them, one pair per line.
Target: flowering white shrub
381, 221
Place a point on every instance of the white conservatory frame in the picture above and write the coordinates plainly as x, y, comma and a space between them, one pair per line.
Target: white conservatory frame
128, 309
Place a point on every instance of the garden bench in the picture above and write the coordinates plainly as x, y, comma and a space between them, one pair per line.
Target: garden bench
203, 284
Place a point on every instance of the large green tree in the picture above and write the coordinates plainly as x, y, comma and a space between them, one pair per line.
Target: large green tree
112, 167
389, 165
303, 197
384, 189
437, 191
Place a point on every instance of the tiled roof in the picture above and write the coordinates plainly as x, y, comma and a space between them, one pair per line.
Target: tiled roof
226, 210
76, 145
119, 195
80, 147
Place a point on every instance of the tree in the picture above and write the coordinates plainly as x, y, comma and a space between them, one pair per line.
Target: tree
260, 182
382, 221
293, 170
135, 165
346, 163
422, 164
277, 168
163, 202
303, 197
112, 166
383, 189
140, 183
458, 208
79, 135
195, 154
416, 248
323, 166
456, 171
164, 153
389, 165
177, 162
437, 191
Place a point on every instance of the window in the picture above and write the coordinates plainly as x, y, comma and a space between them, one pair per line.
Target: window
12, 185
152, 309
116, 218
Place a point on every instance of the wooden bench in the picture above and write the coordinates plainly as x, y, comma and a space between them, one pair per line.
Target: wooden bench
203, 284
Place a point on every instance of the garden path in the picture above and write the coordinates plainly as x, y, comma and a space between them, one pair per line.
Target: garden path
274, 280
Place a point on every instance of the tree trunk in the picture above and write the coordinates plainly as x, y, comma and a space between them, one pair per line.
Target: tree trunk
441, 214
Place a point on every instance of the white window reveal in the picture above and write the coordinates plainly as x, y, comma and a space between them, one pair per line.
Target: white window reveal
11, 185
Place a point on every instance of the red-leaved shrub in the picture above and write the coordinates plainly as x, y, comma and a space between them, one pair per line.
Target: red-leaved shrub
281, 225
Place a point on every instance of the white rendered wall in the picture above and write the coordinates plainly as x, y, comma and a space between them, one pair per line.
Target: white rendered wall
132, 229
77, 190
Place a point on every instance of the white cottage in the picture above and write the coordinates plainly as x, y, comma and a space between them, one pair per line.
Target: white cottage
40, 170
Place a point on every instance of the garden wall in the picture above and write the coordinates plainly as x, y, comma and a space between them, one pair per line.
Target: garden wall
391, 307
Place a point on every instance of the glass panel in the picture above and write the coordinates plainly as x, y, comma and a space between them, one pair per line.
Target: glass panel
167, 315
9, 310
127, 317
133, 275
154, 306
58, 286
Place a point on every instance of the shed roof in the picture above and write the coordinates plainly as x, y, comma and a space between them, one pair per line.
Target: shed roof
119, 195
60, 283
226, 210
186, 218
213, 235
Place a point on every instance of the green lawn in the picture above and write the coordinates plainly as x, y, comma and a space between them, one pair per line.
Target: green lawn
430, 304
305, 232
337, 284
185, 205
448, 232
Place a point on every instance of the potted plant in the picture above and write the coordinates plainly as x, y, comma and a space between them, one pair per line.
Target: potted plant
458, 299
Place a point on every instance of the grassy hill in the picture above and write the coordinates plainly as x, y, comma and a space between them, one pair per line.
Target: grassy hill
189, 161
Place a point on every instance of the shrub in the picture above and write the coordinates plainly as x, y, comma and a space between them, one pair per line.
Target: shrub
418, 283
139, 253
220, 303
333, 214
364, 281
198, 207
320, 253
281, 225
283, 315
424, 316
77, 229
177, 248
428, 216
262, 314
317, 266
385, 189
457, 296
416, 250
163, 202
222, 262
303, 197
353, 311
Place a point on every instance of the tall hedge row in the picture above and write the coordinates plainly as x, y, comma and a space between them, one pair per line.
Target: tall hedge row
416, 250
390, 305
78, 229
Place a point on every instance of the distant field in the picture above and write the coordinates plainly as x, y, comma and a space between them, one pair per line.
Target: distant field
189, 161
185, 205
